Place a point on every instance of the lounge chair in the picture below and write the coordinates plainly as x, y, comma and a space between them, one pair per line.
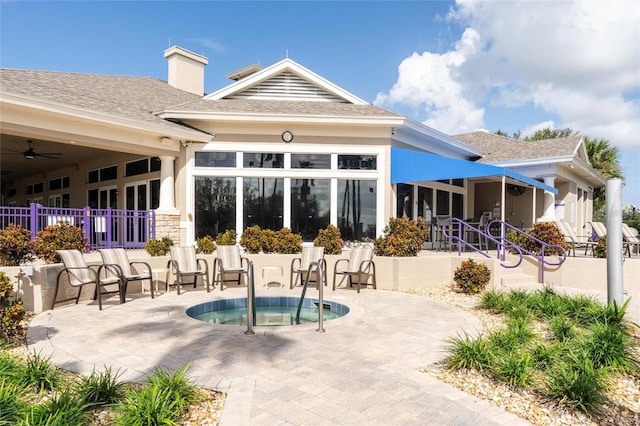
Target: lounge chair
599, 230
229, 262
360, 264
116, 263
300, 265
184, 264
631, 239
574, 240
80, 274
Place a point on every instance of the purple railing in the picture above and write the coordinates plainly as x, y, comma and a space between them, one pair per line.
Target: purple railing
104, 228
461, 230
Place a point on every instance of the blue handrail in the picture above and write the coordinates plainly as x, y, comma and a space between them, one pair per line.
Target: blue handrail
502, 244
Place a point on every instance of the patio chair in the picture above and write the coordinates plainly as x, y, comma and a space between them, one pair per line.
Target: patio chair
631, 239
116, 263
80, 274
574, 240
229, 262
300, 265
360, 264
184, 264
599, 230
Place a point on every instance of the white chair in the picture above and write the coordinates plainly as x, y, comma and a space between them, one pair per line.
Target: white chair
229, 261
184, 264
631, 239
360, 265
80, 274
574, 240
300, 265
116, 263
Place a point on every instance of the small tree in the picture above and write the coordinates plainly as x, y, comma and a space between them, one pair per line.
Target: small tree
402, 237
11, 309
15, 246
62, 236
472, 277
205, 245
329, 238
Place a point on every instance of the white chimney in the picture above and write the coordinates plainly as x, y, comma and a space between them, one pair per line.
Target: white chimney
186, 70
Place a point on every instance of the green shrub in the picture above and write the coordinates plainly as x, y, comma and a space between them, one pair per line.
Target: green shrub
11, 310
471, 277
610, 347
550, 234
329, 238
158, 247
562, 329
12, 402
251, 239
62, 409
40, 373
163, 400
402, 237
15, 246
578, 384
61, 236
100, 389
287, 242
226, 238
600, 249
466, 352
205, 245
516, 369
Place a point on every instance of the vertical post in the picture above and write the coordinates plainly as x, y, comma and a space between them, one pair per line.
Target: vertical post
250, 299
613, 203
109, 227
319, 277
34, 220
86, 225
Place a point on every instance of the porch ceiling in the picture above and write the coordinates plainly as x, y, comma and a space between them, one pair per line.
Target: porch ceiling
14, 166
412, 166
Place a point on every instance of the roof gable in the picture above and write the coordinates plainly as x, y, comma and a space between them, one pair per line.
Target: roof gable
286, 80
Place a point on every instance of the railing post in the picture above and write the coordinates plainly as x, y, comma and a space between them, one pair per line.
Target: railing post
86, 225
250, 299
109, 227
319, 279
153, 224
33, 220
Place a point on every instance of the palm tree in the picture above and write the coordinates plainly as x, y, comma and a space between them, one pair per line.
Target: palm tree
603, 157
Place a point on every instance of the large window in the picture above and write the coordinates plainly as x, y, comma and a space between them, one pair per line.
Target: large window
262, 160
357, 209
215, 205
143, 166
263, 202
310, 206
310, 161
357, 162
215, 159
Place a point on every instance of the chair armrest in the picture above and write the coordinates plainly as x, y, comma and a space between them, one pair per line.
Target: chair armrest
368, 264
293, 261
206, 264
145, 264
335, 267
112, 268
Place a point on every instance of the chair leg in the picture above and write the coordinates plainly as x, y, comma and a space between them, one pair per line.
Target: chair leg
99, 295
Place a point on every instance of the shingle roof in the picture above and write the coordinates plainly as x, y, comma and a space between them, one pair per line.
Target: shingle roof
130, 97
254, 106
500, 148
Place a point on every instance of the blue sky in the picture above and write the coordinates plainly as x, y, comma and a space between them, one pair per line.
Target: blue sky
456, 66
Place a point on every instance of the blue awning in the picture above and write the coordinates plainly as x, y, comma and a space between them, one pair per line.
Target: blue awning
413, 166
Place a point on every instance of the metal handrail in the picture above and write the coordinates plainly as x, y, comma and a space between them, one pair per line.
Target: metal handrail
251, 300
503, 244
319, 280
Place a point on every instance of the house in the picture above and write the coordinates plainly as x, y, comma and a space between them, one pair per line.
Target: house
279, 146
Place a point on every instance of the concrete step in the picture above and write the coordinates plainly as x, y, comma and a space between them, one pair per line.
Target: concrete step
517, 278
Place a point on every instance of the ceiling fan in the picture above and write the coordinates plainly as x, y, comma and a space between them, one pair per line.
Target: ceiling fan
30, 153
515, 190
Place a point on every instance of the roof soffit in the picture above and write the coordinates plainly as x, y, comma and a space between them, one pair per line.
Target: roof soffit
273, 71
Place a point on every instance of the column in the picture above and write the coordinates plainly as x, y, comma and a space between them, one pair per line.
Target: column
549, 200
167, 184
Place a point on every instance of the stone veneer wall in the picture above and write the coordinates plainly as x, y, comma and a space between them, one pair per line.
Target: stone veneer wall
168, 225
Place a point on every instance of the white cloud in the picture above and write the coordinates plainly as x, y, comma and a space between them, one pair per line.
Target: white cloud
575, 60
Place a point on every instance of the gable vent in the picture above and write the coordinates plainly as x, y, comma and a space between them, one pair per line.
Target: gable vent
287, 86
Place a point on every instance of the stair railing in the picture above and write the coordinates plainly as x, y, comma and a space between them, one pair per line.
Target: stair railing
460, 229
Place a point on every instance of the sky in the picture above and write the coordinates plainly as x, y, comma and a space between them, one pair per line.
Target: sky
457, 66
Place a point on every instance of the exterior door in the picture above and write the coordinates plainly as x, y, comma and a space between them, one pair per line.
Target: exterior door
101, 199
137, 198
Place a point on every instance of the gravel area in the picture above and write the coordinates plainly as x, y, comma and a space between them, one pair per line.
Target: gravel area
622, 407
